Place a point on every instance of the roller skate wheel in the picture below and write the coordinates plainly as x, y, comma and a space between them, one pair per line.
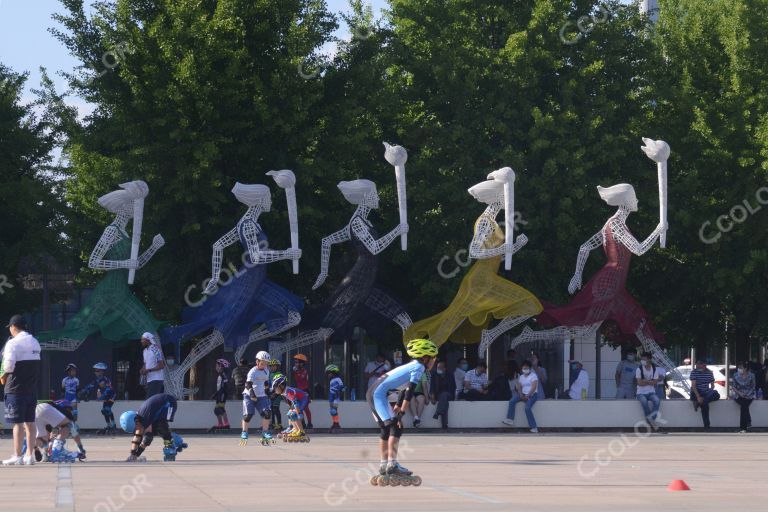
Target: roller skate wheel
394, 481
416, 481
374, 478
383, 480
406, 482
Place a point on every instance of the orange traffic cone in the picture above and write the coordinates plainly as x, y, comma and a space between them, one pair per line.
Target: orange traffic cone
678, 485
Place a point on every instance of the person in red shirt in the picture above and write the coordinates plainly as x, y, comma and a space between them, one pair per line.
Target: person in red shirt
300, 376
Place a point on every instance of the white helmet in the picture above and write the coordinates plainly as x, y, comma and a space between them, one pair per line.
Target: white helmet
263, 356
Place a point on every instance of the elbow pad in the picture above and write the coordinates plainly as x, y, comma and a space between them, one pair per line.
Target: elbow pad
409, 392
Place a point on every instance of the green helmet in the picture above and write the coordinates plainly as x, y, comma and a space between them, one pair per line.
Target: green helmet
332, 368
420, 348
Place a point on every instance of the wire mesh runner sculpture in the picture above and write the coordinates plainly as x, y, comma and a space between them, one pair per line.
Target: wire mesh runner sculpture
247, 301
605, 298
483, 294
112, 310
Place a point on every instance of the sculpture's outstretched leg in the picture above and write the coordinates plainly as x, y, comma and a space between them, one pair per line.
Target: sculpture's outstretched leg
556, 333
661, 358
269, 329
382, 303
488, 336
174, 379
276, 350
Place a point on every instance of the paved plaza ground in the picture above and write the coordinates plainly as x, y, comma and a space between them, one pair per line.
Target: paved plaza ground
469, 471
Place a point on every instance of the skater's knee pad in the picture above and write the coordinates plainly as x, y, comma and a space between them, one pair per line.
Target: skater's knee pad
384, 433
266, 413
333, 410
293, 415
396, 429
247, 417
162, 429
147, 439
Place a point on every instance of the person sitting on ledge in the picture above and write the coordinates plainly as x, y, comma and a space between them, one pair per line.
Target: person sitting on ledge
476, 383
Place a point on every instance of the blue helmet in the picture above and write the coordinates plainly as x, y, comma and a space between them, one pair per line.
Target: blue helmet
100, 366
63, 404
279, 381
128, 421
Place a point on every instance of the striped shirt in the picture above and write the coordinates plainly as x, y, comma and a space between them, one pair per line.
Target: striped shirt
476, 381
703, 379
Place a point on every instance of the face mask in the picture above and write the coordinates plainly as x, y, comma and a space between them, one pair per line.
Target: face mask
398, 361
440, 372
464, 366
644, 361
630, 357
574, 366
171, 362
526, 371
742, 371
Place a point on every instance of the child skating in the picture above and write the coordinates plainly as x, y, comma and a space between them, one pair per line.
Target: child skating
335, 390
255, 399
389, 418
153, 418
277, 417
70, 385
101, 388
52, 422
300, 377
220, 397
107, 395
298, 400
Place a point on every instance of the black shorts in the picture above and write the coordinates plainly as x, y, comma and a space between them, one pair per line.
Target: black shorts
19, 408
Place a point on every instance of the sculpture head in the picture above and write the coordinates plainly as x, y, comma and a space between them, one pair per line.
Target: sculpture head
360, 192
504, 175
489, 192
253, 195
619, 195
121, 201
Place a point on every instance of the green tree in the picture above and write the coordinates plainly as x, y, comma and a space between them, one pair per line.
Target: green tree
32, 212
713, 104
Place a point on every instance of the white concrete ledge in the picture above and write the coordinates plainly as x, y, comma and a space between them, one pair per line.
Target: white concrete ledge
561, 414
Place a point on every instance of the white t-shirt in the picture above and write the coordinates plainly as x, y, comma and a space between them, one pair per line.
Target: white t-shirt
526, 382
380, 368
648, 373
46, 414
152, 357
581, 382
259, 378
458, 375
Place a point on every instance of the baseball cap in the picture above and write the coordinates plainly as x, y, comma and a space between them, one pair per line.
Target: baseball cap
149, 337
17, 321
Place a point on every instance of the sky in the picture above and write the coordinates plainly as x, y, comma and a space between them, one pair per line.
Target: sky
26, 44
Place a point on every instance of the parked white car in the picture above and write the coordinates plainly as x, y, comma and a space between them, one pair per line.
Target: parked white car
676, 389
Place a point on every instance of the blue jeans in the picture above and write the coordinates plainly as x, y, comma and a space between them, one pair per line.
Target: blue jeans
528, 406
654, 399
